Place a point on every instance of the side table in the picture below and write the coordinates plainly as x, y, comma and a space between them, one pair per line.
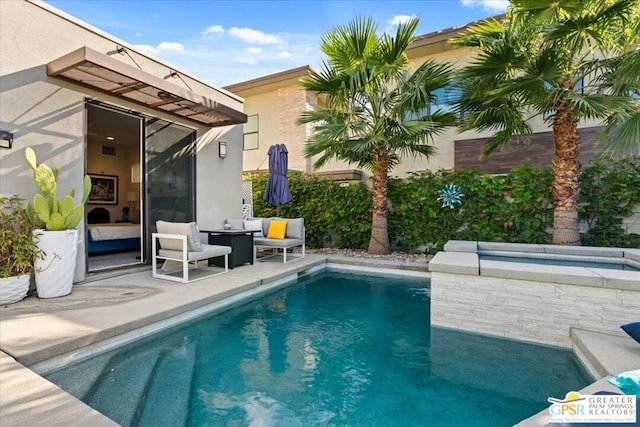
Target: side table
240, 241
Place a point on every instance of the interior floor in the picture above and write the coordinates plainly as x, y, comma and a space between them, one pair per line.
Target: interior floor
113, 260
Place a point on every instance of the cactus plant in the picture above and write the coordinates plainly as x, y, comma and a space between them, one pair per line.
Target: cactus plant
54, 214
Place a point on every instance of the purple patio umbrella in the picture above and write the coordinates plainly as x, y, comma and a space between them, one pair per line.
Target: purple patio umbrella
277, 192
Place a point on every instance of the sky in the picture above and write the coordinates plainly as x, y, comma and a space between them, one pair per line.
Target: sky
229, 41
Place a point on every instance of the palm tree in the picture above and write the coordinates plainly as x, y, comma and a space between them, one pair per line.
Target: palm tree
564, 61
376, 112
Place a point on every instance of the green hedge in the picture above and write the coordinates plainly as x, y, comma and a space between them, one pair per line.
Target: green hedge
517, 207
610, 190
335, 216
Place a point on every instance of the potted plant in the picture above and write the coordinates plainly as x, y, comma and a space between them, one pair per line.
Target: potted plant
18, 249
58, 239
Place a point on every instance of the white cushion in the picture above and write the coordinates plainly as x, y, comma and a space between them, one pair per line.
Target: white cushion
209, 251
295, 228
265, 225
189, 229
254, 224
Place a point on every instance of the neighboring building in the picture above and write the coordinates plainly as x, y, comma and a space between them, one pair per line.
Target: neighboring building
462, 150
89, 103
274, 103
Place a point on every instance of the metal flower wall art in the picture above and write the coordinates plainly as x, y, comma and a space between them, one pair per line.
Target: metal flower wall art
450, 196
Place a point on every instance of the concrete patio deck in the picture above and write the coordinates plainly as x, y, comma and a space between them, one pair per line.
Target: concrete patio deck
34, 332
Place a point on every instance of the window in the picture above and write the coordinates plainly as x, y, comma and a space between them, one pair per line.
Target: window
446, 97
251, 133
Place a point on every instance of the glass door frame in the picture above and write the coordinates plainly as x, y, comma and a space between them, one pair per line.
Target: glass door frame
166, 178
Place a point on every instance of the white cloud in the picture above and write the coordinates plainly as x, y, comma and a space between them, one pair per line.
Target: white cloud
213, 29
492, 6
147, 48
392, 24
254, 36
401, 19
163, 47
224, 59
170, 46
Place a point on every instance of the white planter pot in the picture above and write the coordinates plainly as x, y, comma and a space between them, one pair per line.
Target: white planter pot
14, 289
54, 273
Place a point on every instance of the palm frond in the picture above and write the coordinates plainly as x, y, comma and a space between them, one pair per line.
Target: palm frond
324, 81
545, 52
373, 104
597, 105
501, 60
601, 24
621, 136
544, 11
392, 49
416, 92
620, 75
505, 137
506, 114
346, 45
482, 34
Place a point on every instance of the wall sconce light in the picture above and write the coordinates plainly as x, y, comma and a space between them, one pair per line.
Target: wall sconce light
6, 139
222, 149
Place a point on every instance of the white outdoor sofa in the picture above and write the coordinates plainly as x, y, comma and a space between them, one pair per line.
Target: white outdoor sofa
180, 242
294, 237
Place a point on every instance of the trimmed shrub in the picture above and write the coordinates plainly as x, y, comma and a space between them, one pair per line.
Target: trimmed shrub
517, 207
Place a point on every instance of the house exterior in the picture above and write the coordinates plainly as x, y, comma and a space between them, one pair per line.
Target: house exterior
155, 140
273, 104
276, 101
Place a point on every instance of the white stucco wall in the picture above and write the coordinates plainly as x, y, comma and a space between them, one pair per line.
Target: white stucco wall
49, 114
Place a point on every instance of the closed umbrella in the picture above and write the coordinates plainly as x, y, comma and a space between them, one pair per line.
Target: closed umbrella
277, 192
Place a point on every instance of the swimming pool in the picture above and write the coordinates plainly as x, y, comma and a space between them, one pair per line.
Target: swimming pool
575, 262
333, 349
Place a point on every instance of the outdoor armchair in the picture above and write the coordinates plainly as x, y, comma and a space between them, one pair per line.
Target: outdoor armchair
180, 242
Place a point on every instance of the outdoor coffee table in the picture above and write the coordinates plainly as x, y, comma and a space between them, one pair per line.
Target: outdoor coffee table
240, 241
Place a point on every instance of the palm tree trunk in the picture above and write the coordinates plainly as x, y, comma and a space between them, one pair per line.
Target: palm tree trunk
566, 189
379, 243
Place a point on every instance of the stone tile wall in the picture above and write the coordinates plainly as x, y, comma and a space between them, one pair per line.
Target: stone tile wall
528, 310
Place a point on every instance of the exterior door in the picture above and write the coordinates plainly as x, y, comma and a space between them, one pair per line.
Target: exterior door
169, 184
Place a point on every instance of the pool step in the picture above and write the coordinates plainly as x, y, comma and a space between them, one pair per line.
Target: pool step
89, 370
166, 401
119, 389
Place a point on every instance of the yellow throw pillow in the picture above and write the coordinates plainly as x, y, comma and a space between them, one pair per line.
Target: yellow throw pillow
277, 229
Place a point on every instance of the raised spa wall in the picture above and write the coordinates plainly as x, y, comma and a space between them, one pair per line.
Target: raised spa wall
532, 302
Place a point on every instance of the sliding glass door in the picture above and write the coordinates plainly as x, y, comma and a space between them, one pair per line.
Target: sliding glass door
169, 175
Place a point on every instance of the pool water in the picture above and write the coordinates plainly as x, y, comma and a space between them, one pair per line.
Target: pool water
333, 349
562, 262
